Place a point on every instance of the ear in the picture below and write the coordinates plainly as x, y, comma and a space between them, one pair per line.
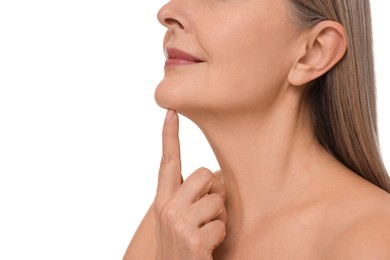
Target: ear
324, 46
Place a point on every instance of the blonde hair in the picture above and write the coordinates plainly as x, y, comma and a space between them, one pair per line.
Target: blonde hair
343, 101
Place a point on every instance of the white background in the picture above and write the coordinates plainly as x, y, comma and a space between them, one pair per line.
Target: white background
79, 128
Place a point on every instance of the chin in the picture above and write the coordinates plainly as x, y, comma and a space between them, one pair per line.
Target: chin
167, 96
188, 98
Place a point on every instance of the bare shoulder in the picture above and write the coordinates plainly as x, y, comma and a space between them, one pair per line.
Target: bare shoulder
143, 244
367, 236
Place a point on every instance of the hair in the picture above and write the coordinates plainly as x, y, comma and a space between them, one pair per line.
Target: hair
343, 101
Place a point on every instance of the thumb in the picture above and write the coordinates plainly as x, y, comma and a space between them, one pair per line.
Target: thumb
169, 177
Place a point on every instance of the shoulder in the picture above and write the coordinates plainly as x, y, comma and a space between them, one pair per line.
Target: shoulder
367, 237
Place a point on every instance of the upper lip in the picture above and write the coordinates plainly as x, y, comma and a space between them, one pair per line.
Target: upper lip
171, 53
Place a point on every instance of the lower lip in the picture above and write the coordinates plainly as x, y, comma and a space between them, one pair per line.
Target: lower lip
176, 62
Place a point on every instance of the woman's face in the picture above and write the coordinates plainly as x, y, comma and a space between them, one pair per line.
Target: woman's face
240, 53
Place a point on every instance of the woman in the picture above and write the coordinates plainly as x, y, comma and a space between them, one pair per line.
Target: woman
284, 92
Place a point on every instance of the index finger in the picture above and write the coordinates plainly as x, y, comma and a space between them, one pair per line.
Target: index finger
169, 178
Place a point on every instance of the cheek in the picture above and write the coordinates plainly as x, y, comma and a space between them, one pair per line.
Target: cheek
240, 90
246, 79
250, 68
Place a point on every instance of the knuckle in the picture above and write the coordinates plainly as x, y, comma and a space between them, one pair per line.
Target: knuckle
219, 200
202, 174
194, 243
222, 195
220, 227
165, 212
180, 227
170, 214
159, 205
216, 199
191, 239
165, 159
168, 159
205, 173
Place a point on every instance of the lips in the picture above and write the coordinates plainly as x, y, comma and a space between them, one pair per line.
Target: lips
178, 57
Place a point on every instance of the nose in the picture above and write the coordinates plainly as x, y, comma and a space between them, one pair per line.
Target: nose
172, 16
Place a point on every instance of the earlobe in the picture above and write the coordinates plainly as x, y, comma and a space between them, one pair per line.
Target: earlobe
325, 46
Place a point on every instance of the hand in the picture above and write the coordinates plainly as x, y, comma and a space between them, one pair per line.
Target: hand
191, 215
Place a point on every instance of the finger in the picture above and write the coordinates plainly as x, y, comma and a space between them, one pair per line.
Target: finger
199, 183
214, 232
219, 175
207, 209
169, 178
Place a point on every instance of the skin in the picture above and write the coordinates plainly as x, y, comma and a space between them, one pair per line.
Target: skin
279, 194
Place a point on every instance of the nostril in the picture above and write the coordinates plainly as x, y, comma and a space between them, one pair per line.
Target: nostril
172, 22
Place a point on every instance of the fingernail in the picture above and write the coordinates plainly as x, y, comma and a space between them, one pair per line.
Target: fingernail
169, 115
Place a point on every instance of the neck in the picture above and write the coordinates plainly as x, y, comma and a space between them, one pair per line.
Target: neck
265, 157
